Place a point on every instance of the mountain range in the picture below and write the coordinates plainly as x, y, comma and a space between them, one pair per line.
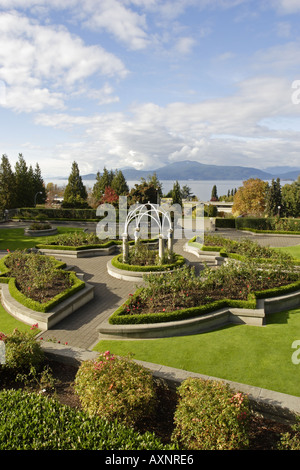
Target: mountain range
191, 170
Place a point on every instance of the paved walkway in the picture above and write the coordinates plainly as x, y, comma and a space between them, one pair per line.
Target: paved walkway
80, 330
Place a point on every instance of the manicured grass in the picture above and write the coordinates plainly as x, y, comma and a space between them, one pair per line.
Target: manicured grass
292, 250
258, 356
14, 238
8, 323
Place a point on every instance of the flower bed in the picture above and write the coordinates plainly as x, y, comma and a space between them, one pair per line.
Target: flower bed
178, 261
181, 294
39, 229
242, 249
36, 281
80, 244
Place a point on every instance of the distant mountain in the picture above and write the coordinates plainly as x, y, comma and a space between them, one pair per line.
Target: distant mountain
284, 172
191, 170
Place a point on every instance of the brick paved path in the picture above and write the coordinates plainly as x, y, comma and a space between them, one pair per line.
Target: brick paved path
81, 328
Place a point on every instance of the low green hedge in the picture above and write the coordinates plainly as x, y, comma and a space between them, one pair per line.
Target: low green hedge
89, 247
119, 317
76, 248
117, 263
4, 270
39, 422
77, 285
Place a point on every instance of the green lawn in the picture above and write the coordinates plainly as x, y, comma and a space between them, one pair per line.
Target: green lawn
8, 323
292, 250
14, 238
258, 356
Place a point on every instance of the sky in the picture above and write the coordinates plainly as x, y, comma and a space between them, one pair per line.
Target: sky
144, 83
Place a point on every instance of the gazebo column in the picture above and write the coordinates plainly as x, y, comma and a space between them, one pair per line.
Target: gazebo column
161, 246
170, 240
125, 247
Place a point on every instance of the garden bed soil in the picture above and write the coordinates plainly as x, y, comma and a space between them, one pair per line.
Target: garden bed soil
264, 433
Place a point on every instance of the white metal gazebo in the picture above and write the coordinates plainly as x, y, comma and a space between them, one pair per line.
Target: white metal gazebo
157, 215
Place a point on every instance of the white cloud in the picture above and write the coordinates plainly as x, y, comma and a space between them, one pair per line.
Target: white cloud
38, 61
232, 130
185, 45
286, 6
126, 25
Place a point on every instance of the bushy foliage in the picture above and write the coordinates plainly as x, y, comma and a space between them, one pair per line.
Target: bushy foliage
115, 388
39, 226
143, 255
36, 275
210, 416
73, 239
42, 423
22, 352
291, 440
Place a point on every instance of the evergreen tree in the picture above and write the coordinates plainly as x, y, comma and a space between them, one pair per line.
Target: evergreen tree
176, 194
23, 185
75, 194
144, 192
7, 185
273, 198
291, 199
102, 181
38, 185
214, 194
119, 184
186, 192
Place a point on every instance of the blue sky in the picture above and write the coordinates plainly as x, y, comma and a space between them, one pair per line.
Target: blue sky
143, 83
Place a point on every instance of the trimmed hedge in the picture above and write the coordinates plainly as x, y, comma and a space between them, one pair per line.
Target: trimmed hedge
61, 213
42, 423
268, 224
77, 285
119, 317
89, 247
156, 268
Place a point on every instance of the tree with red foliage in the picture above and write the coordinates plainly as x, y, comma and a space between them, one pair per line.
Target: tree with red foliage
110, 196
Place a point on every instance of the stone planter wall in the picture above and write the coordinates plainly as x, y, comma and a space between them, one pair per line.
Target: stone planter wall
41, 233
45, 320
202, 323
88, 253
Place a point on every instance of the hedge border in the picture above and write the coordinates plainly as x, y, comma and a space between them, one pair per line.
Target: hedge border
119, 318
89, 247
134, 268
77, 285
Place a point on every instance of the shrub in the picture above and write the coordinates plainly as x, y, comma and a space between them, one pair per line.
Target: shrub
115, 388
22, 352
290, 440
38, 281
42, 423
209, 416
39, 226
73, 239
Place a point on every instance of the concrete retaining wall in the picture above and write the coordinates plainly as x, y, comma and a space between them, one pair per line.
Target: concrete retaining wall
207, 322
45, 320
88, 253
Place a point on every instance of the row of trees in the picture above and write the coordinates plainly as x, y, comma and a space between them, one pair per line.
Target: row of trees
111, 184
22, 186
259, 198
